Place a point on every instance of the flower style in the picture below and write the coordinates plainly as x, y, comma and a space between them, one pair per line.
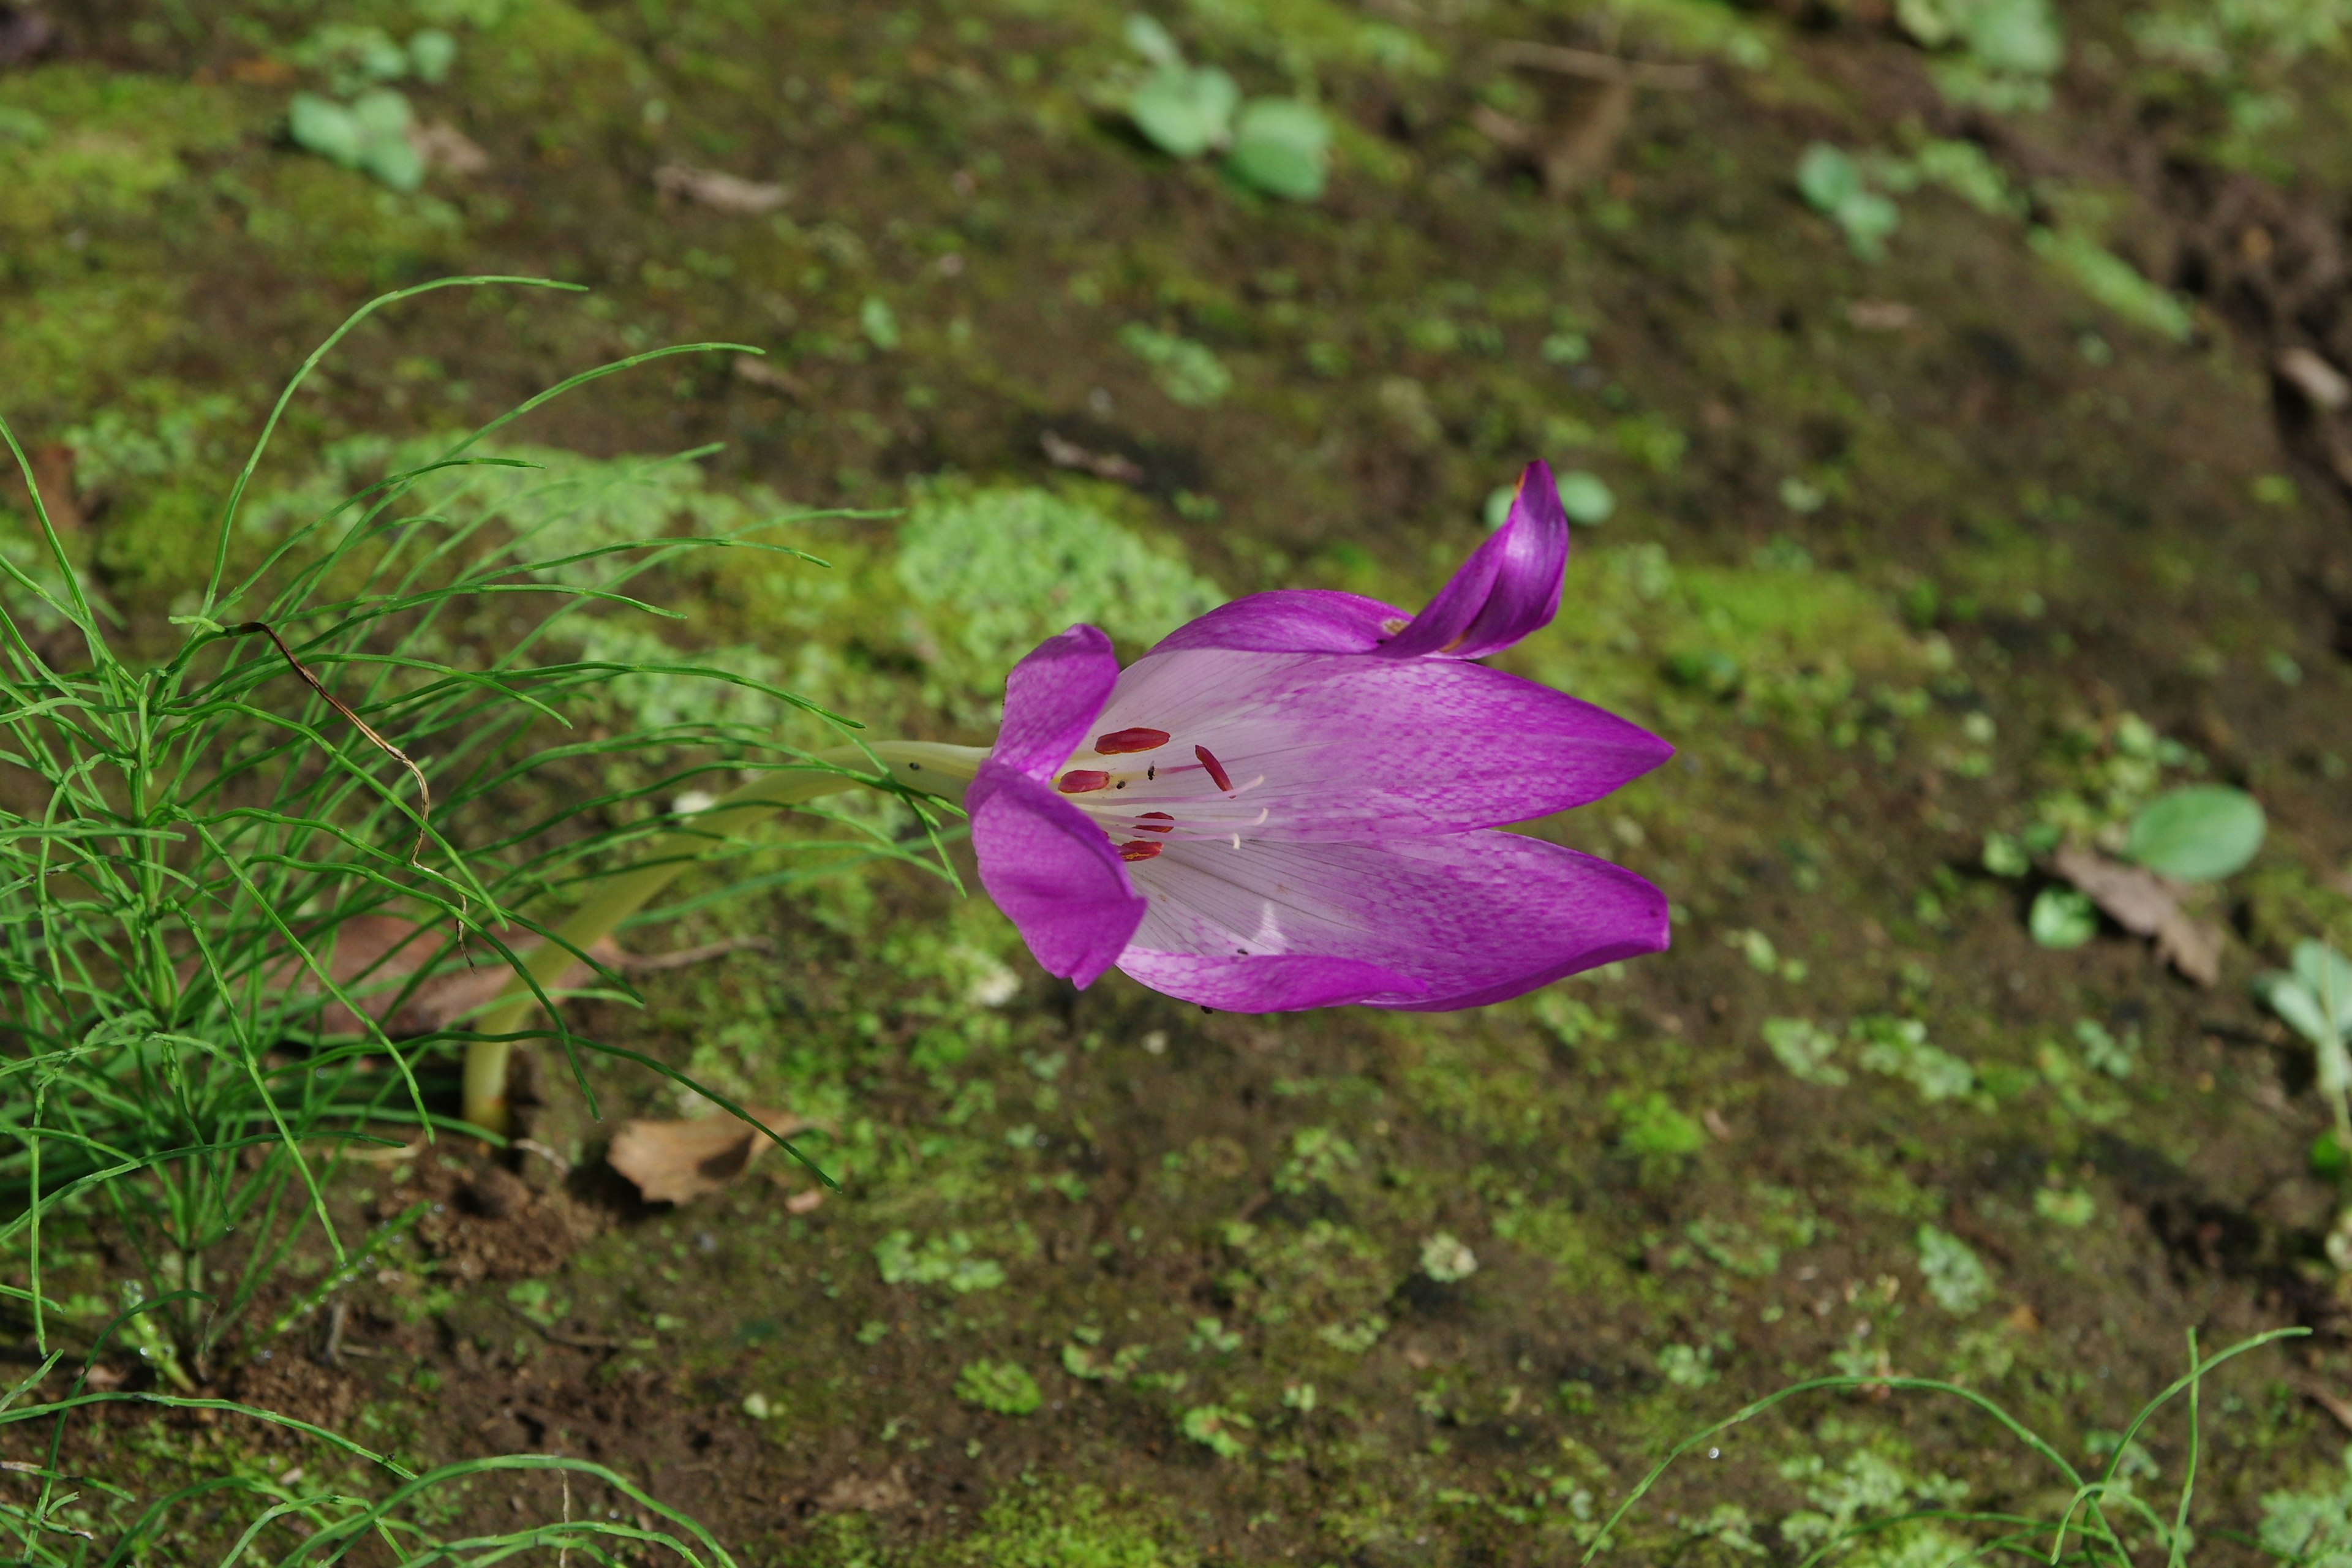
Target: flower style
1293, 801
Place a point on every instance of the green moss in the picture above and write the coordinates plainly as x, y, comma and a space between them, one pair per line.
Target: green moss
1079, 1527
997, 570
90, 144
1002, 1386
66, 344
312, 217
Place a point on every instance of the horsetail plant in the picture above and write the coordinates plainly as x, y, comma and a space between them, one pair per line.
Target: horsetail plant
246, 890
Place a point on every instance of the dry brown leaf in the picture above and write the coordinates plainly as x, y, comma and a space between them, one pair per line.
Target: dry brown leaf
1065, 453
2321, 384
727, 192
442, 145
862, 1494
2146, 904
2137, 899
2193, 947
677, 1161
757, 371
376, 955
1881, 316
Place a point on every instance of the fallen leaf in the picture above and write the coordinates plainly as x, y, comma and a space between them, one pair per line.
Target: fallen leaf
53, 471
808, 1201
2135, 898
376, 956
2321, 384
2335, 1404
861, 1494
2193, 947
677, 1161
263, 70
756, 370
727, 193
1881, 315
1065, 453
2146, 904
442, 145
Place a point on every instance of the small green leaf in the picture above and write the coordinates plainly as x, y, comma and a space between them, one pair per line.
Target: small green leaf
2327, 975
1002, 1386
394, 162
2199, 834
1827, 178
325, 127
1185, 112
1147, 38
2062, 918
1957, 1277
432, 52
1585, 497
1281, 147
879, 321
1867, 219
382, 114
2328, 1157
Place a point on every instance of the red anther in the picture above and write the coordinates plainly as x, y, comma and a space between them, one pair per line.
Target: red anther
1155, 822
1078, 781
1216, 769
1139, 850
1119, 742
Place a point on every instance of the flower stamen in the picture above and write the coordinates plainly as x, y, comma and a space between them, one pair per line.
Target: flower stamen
1139, 850
1120, 741
1080, 780
1154, 822
1216, 769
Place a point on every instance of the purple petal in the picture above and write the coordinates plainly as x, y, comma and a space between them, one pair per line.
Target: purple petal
1434, 925
1271, 985
1051, 700
1508, 587
1338, 746
1291, 620
1052, 871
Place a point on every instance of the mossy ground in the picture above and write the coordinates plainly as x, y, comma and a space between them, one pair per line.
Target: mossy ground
1905, 552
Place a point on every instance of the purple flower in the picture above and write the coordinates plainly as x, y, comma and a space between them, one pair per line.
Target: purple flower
1291, 802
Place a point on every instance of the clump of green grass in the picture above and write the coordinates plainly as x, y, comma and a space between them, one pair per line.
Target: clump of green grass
2105, 1522
345, 1503
238, 883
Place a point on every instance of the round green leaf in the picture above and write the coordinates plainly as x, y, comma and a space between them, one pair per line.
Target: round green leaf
1281, 147
1585, 497
2200, 834
325, 127
1147, 38
394, 162
2062, 918
1184, 111
1827, 177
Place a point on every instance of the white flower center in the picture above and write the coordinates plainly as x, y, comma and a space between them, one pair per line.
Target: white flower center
1141, 785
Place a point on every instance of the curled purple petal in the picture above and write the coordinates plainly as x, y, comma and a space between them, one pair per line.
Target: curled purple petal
1451, 922
1052, 697
1291, 620
1052, 871
1327, 747
1509, 586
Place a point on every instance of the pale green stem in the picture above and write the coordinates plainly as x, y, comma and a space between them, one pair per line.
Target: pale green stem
920, 765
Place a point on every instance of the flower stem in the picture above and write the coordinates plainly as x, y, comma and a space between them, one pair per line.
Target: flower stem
920, 765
